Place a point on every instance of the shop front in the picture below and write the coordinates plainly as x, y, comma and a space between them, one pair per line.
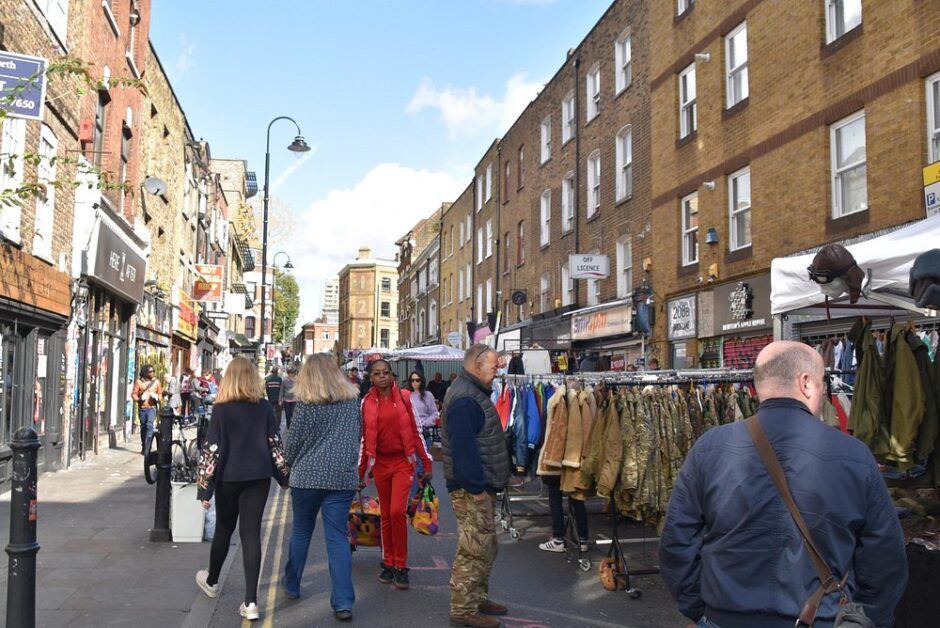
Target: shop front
185, 334
734, 323
34, 308
602, 337
208, 344
153, 338
682, 326
110, 289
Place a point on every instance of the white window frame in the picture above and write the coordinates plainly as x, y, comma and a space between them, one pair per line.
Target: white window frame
690, 244
568, 128
57, 16
462, 236
460, 285
545, 291
45, 205
594, 184
545, 141
932, 85
480, 314
624, 150
593, 296
479, 244
567, 202
623, 58
684, 5
593, 92
567, 285
489, 238
688, 111
836, 26
489, 182
736, 73
12, 148
545, 218
489, 294
432, 319
624, 266
479, 192
736, 211
839, 172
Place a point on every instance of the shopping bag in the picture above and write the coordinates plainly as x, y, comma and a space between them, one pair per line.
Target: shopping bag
365, 521
424, 519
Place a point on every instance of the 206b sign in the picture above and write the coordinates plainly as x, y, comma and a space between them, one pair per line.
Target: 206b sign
22, 85
682, 318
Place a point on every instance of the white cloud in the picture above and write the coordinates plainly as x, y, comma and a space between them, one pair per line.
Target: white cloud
282, 178
378, 210
465, 112
186, 58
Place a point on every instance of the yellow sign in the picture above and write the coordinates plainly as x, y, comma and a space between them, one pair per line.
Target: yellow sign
187, 316
932, 173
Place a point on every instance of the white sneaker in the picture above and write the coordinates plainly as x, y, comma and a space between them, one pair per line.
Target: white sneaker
202, 579
249, 611
553, 545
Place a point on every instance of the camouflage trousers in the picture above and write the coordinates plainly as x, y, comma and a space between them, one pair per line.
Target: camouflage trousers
476, 552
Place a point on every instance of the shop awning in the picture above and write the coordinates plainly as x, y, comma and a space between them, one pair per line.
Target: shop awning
888, 257
239, 340
433, 353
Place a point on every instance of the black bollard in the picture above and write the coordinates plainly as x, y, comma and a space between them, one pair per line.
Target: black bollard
160, 533
22, 549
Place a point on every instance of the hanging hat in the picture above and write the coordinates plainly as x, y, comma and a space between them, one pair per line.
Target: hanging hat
925, 279
833, 262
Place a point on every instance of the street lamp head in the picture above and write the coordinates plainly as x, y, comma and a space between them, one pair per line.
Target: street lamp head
299, 145
288, 265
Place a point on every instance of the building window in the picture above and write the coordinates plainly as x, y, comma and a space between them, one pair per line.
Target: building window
545, 224
460, 285
520, 243
624, 163
624, 267
684, 5
450, 251
933, 118
546, 139
594, 183
593, 291
489, 294
12, 148
545, 291
739, 208
505, 190
688, 119
841, 17
623, 55
689, 208
126, 138
489, 182
57, 15
468, 229
521, 169
432, 272
386, 284
479, 192
386, 309
45, 202
567, 285
849, 166
506, 252
479, 304
432, 319
468, 278
250, 326
462, 236
568, 128
101, 114
567, 203
383, 338
593, 92
736, 65
479, 244
489, 237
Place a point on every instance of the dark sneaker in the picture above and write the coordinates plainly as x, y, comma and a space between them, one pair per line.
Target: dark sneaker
474, 620
387, 575
343, 615
488, 607
401, 578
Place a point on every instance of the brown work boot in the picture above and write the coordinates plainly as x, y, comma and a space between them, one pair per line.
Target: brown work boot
489, 607
474, 619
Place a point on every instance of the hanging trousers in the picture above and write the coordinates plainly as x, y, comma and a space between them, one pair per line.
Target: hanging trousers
393, 477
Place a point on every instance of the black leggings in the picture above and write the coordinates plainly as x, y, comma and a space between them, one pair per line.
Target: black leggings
241, 503
553, 482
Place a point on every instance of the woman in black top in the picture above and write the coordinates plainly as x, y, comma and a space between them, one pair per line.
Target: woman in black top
241, 452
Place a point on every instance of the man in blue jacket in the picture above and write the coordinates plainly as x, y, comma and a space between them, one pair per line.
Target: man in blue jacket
476, 466
730, 552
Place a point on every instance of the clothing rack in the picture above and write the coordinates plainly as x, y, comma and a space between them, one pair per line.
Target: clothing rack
646, 378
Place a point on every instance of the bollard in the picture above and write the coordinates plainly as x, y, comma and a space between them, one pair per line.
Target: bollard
22, 549
160, 533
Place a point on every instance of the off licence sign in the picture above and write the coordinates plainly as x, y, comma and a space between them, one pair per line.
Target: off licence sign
22, 85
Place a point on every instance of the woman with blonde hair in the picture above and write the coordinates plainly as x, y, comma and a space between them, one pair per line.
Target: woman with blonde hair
322, 449
241, 452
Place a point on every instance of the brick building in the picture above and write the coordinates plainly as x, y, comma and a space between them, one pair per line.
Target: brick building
319, 336
456, 255
777, 127
419, 282
364, 286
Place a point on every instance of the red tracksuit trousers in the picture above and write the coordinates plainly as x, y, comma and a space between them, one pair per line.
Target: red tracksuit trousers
393, 477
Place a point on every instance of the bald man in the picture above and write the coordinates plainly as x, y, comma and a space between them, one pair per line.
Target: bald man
730, 552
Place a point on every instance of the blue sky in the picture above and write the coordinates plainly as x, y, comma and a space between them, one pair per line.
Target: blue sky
399, 99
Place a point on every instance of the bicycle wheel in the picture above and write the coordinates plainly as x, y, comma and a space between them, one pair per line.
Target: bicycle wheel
150, 458
182, 468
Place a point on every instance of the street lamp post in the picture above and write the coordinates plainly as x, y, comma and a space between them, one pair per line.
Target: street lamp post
287, 266
299, 145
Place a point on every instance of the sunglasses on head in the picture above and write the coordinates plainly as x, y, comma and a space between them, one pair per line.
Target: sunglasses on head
415, 379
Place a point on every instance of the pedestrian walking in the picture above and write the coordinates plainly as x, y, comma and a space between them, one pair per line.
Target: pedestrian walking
731, 553
241, 452
391, 445
147, 393
322, 449
288, 396
476, 467
426, 414
273, 384
174, 392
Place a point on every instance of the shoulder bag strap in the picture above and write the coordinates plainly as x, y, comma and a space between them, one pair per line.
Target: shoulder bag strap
828, 581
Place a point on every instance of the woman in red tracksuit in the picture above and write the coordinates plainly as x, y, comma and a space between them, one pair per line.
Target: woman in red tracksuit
391, 444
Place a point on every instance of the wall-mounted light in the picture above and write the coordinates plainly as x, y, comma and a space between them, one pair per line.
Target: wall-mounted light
711, 236
708, 185
703, 56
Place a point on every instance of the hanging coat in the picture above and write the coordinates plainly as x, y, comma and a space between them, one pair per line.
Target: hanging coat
520, 444
611, 454
553, 450
865, 419
575, 432
907, 399
533, 424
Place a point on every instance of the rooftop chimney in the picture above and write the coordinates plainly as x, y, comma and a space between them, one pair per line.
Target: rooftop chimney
364, 253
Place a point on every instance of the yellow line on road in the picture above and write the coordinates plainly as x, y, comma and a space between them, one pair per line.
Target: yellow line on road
279, 515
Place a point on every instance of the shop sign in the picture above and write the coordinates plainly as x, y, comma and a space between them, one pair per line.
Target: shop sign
589, 266
187, 318
618, 363
743, 305
932, 188
26, 279
116, 264
610, 322
682, 318
24, 79
208, 284
453, 339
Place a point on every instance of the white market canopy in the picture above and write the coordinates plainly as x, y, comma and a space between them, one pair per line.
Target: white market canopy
432, 353
889, 258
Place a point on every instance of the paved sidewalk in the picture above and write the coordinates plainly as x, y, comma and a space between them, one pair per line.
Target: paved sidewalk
96, 565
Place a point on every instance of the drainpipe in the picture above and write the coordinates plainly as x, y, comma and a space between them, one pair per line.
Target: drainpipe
577, 159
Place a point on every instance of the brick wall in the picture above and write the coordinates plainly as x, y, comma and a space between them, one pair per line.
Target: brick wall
455, 313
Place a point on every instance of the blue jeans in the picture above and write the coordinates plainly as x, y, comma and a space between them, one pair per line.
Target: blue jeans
306, 503
146, 423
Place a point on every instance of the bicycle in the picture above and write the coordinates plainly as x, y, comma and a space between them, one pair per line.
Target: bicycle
184, 452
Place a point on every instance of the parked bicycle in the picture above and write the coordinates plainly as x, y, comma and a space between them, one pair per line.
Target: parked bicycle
184, 449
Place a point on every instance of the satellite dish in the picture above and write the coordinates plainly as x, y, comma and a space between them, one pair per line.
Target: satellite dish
155, 186
518, 297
